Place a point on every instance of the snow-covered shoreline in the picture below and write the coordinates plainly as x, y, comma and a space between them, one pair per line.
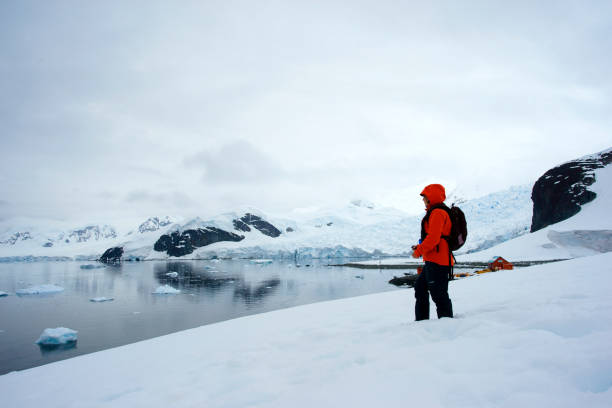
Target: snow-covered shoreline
537, 336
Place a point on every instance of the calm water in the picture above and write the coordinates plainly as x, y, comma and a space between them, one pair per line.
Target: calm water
210, 292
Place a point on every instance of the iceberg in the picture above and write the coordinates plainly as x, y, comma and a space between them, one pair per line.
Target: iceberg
101, 299
39, 290
166, 290
3, 294
57, 336
172, 274
91, 266
261, 261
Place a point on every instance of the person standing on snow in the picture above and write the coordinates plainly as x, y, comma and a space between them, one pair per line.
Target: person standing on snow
435, 252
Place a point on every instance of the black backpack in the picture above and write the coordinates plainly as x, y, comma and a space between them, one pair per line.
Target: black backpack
458, 233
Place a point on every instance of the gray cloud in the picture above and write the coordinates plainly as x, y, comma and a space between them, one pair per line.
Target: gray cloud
238, 162
206, 105
144, 196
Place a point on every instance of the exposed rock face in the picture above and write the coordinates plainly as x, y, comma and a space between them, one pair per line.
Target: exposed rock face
179, 244
257, 222
18, 236
240, 225
561, 191
112, 255
153, 224
92, 232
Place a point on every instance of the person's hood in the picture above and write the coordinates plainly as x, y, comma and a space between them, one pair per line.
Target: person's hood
435, 194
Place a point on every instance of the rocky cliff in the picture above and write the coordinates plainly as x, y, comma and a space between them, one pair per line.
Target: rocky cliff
560, 192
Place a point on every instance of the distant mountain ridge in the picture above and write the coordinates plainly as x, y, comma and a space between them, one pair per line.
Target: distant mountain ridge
359, 229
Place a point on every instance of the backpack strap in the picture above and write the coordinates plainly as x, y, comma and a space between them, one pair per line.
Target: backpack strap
425, 219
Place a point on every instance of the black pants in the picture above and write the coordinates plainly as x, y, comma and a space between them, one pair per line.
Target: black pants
433, 280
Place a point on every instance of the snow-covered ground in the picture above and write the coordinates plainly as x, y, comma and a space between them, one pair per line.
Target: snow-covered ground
530, 337
533, 337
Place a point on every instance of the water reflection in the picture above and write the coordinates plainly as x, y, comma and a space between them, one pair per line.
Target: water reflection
210, 292
46, 349
251, 294
188, 276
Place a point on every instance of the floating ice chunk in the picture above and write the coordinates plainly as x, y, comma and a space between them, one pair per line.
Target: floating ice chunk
91, 266
101, 299
59, 335
3, 294
172, 274
40, 289
261, 261
166, 290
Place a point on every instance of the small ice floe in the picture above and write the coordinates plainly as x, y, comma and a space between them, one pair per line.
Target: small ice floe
57, 336
3, 294
91, 266
261, 261
39, 290
166, 290
172, 274
101, 299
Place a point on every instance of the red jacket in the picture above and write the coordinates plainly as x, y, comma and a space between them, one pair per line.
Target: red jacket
434, 248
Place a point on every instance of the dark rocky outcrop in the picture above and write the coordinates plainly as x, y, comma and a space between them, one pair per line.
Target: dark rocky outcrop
258, 223
561, 191
240, 225
179, 244
112, 255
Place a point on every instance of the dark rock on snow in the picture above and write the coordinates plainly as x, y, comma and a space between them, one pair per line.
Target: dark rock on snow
18, 236
240, 225
561, 191
179, 244
153, 224
112, 255
257, 222
92, 232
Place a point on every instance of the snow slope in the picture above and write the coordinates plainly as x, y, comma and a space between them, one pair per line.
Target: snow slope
587, 233
532, 337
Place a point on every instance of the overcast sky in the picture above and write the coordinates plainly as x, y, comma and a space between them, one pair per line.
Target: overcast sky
116, 108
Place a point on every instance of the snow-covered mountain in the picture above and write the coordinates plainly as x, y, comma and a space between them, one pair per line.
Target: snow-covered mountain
153, 224
359, 229
577, 223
